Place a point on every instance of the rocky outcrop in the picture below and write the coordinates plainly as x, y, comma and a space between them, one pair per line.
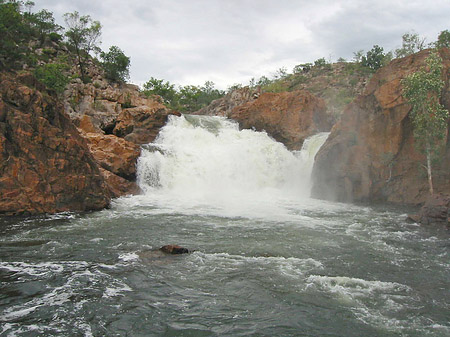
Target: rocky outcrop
115, 119
45, 165
141, 125
370, 154
118, 109
288, 117
117, 159
224, 106
436, 210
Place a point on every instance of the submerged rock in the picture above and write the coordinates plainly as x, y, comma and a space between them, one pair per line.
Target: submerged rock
162, 252
174, 249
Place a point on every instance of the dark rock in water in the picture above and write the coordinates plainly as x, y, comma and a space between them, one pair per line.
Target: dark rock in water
174, 249
436, 210
163, 252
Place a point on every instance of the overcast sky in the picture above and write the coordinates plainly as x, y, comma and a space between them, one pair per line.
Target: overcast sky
231, 41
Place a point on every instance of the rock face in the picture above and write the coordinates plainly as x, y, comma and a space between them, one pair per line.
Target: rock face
370, 154
45, 165
289, 117
435, 211
115, 119
141, 125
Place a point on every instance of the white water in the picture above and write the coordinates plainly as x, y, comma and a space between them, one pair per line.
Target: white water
207, 163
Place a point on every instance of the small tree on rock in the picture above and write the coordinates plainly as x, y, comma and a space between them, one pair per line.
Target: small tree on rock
83, 35
116, 64
423, 89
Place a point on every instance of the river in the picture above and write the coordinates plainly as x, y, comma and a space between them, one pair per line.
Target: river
267, 260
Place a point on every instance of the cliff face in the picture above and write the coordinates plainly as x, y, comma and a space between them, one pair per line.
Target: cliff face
73, 155
289, 117
45, 165
370, 153
115, 119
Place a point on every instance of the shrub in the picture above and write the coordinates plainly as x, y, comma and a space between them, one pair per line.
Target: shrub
53, 76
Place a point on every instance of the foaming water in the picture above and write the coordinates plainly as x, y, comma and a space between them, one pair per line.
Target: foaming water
206, 164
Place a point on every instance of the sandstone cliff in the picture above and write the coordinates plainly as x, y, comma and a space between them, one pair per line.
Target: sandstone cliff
288, 117
370, 153
45, 165
115, 119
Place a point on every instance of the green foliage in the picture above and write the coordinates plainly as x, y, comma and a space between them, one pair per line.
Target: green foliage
83, 35
53, 76
14, 33
161, 88
374, 59
187, 98
116, 64
411, 43
443, 39
422, 89
17, 29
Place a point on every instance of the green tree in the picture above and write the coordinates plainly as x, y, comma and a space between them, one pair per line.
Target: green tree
443, 39
161, 88
53, 75
374, 59
83, 35
14, 33
422, 90
116, 64
411, 43
42, 23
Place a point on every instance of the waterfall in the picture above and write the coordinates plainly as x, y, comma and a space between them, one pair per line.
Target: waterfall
208, 160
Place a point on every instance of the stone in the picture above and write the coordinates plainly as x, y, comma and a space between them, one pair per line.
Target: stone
114, 154
436, 210
141, 125
45, 165
288, 117
174, 249
370, 154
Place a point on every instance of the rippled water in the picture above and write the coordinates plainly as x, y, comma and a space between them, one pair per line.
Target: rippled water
267, 262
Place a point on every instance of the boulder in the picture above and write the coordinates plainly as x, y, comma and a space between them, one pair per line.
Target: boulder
288, 117
45, 165
114, 154
436, 210
174, 249
141, 125
370, 154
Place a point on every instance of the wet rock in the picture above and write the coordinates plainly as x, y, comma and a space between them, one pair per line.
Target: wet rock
174, 249
436, 210
163, 252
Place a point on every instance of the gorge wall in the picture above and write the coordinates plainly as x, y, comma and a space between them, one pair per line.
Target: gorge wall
370, 153
75, 153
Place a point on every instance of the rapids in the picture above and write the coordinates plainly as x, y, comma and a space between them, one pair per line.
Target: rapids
268, 260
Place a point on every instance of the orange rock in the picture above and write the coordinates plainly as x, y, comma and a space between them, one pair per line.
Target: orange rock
289, 117
370, 154
45, 165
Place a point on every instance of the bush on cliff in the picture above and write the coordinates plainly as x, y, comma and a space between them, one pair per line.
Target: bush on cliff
116, 64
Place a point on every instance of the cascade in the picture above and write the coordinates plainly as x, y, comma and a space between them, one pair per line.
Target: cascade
208, 160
